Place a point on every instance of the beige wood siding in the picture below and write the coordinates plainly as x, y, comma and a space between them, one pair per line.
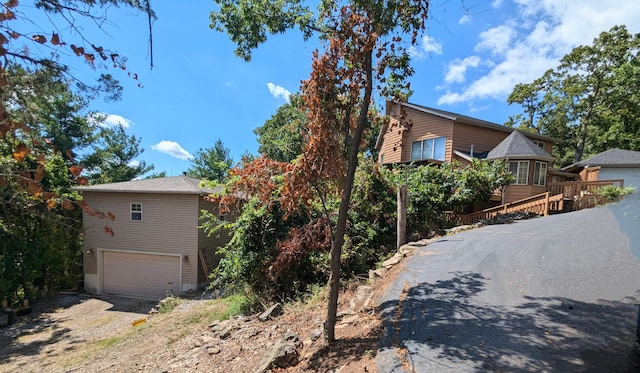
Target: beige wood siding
426, 126
518, 192
396, 145
482, 139
391, 149
590, 174
169, 225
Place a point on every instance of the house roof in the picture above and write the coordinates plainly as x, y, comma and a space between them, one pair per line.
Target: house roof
609, 158
461, 119
518, 146
167, 185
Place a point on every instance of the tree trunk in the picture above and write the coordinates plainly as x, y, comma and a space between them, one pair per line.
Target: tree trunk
341, 226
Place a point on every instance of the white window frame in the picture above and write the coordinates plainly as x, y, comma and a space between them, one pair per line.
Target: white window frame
133, 211
433, 149
519, 171
540, 177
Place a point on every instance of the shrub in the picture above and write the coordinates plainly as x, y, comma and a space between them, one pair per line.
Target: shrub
612, 193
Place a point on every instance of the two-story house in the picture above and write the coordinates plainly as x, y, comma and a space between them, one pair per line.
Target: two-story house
421, 134
153, 244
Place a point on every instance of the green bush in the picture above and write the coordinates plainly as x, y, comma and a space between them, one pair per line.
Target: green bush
612, 193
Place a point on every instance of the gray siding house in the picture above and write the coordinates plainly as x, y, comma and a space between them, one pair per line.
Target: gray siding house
153, 244
611, 164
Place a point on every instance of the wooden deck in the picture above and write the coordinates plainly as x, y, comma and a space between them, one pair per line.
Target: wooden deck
560, 197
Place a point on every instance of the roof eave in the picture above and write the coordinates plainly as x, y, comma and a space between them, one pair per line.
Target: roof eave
478, 122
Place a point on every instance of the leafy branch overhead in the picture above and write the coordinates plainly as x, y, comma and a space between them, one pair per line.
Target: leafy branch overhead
33, 63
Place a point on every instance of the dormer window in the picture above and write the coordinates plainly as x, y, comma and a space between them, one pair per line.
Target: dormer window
136, 211
539, 143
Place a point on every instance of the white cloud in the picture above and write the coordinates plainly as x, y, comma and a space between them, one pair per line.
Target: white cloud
464, 19
173, 149
457, 69
428, 45
496, 39
109, 120
277, 91
534, 38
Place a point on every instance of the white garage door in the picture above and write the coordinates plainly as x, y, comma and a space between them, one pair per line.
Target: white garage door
631, 176
140, 275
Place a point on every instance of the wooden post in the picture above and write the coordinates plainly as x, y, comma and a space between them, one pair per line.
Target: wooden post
402, 216
546, 204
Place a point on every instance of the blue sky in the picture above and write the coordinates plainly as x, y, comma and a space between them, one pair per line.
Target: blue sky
468, 61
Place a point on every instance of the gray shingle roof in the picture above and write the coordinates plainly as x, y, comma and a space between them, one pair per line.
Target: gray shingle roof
516, 145
170, 185
610, 158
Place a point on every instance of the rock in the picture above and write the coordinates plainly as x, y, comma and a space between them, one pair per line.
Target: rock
376, 273
272, 311
214, 350
282, 354
350, 320
315, 334
363, 292
406, 249
225, 334
4, 320
223, 329
395, 259
161, 370
206, 340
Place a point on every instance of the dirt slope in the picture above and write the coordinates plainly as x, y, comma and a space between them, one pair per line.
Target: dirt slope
75, 333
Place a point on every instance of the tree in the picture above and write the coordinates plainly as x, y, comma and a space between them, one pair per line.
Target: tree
40, 244
44, 128
211, 164
281, 137
363, 50
114, 157
589, 100
26, 130
157, 175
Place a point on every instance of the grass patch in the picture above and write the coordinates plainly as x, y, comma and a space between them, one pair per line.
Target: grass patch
90, 350
168, 304
108, 342
222, 309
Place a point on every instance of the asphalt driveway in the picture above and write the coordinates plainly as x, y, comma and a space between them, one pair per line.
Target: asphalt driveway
558, 293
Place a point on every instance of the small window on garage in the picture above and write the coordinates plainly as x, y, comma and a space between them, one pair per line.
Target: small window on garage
136, 211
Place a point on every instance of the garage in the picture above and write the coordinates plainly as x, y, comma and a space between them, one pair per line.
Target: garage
140, 275
630, 175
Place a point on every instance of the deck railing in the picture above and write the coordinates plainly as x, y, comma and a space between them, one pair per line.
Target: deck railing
582, 194
539, 204
577, 189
